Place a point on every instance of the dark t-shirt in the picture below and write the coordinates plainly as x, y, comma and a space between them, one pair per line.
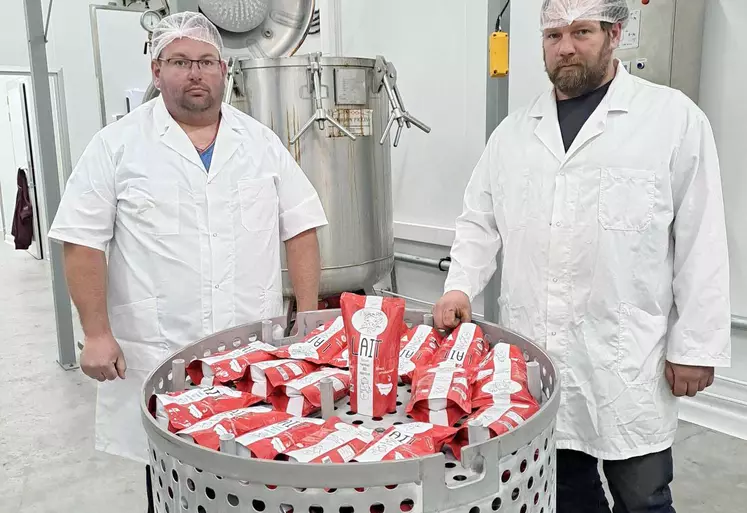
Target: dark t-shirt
573, 113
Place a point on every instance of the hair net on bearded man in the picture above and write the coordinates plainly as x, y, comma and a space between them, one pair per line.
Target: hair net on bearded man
191, 25
561, 13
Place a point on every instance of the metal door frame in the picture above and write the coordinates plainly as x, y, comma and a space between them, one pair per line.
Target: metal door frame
59, 105
36, 248
93, 12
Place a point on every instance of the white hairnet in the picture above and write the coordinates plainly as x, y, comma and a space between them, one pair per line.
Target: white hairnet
191, 25
561, 13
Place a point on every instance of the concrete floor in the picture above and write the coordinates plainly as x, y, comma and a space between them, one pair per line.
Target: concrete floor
47, 460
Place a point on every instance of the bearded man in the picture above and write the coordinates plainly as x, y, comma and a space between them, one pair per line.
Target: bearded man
605, 198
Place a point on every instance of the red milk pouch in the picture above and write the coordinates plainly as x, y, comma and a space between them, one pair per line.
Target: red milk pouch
440, 396
335, 442
303, 396
499, 418
265, 377
268, 442
180, 410
412, 440
374, 327
502, 378
465, 347
321, 346
449, 416
342, 361
228, 366
237, 422
417, 349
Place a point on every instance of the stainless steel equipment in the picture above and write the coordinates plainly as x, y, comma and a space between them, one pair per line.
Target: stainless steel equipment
663, 43
513, 473
255, 28
335, 114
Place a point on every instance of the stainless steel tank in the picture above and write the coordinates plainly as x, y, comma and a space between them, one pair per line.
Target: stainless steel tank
335, 115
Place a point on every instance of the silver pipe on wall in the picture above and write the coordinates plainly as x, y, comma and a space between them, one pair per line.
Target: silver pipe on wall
739, 323
442, 264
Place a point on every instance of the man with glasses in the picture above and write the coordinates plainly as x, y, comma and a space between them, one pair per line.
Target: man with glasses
190, 198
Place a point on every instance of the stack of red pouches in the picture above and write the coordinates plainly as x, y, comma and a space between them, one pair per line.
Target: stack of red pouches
442, 390
500, 395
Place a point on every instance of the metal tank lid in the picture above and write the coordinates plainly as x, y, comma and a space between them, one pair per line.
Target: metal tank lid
302, 61
255, 29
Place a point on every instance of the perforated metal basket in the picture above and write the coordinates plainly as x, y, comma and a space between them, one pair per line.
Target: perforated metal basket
513, 473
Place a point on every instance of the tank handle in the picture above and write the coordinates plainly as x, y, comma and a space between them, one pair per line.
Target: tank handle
320, 115
386, 77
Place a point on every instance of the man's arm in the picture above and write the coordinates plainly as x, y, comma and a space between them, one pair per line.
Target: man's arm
85, 271
85, 224
475, 247
301, 213
304, 267
700, 338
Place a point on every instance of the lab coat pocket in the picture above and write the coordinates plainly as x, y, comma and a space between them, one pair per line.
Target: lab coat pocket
258, 201
135, 326
626, 199
157, 205
640, 345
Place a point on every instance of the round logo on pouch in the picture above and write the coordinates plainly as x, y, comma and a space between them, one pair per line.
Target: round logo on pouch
502, 387
370, 322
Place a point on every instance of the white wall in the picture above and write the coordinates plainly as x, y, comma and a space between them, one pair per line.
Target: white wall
440, 50
527, 77
70, 49
14, 47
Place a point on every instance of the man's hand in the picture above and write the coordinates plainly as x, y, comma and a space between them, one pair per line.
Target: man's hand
102, 358
453, 308
688, 380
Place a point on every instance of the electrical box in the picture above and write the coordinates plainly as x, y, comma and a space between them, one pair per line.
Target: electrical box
663, 43
498, 54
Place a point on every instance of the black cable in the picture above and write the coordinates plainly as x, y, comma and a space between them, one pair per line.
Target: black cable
500, 16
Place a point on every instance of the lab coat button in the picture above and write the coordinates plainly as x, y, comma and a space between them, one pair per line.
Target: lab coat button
215, 235
217, 286
555, 280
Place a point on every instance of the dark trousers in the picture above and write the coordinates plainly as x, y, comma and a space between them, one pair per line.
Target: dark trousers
637, 485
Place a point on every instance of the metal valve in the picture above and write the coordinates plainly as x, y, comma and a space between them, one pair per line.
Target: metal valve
320, 115
386, 77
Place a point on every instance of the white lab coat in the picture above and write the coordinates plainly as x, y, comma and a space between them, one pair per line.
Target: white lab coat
190, 252
614, 256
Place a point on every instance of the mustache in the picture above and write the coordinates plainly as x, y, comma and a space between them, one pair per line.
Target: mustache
569, 62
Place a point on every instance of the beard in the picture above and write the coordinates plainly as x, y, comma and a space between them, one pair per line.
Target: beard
196, 103
574, 77
185, 99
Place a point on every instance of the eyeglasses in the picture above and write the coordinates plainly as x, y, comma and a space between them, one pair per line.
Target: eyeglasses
183, 64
